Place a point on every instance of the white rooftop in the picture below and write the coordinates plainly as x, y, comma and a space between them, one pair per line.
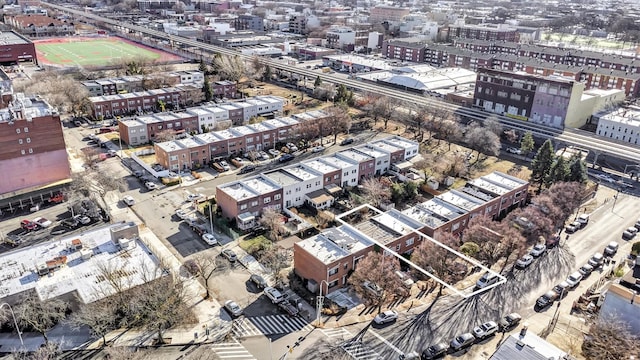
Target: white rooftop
238, 190
320, 166
282, 177
300, 172
461, 200
386, 146
336, 162
505, 180
355, 156
489, 186
83, 276
371, 151
259, 184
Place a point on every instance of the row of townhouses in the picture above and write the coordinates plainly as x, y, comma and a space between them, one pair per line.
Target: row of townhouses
327, 259
110, 106
144, 128
134, 83
311, 181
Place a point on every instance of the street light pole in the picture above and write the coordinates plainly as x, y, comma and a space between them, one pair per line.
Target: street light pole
14, 322
319, 303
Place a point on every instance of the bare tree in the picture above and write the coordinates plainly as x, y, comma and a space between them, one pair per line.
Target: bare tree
41, 316
165, 135
276, 259
230, 68
48, 351
450, 131
375, 279
493, 124
567, 196
439, 261
376, 191
203, 267
100, 317
609, 338
338, 121
480, 232
483, 140
271, 219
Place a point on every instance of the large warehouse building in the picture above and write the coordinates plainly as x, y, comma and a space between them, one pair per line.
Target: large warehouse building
16, 48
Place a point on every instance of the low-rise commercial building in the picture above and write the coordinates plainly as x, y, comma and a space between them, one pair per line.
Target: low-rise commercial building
620, 124
15, 48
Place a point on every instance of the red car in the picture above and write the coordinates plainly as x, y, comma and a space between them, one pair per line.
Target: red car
28, 225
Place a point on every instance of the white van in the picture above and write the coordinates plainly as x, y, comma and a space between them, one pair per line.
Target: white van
486, 280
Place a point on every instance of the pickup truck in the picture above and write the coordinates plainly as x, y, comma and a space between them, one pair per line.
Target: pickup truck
289, 308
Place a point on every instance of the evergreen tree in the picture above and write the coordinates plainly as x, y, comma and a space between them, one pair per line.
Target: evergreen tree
266, 75
577, 169
527, 144
343, 95
203, 67
318, 82
559, 172
207, 90
541, 164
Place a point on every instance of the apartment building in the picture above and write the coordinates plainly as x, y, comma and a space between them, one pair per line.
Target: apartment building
136, 83
331, 255
344, 169
33, 154
405, 49
34, 25
15, 48
620, 124
110, 106
248, 22
245, 199
385, 13
490, 32
220, 144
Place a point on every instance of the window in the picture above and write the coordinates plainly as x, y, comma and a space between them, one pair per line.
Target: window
26, 129
243, 207
333, 283
254, 203
17, 131
336, 176
20, 141
409, 242
22, 152
28, 140
397, 247
334, 270
276, 197
267, 199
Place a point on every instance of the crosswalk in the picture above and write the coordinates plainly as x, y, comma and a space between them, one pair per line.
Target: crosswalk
337, 334
232, 350
360, 351
269, 325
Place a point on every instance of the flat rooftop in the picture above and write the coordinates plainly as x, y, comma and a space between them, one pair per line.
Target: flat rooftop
489, 186
337, 162
260, 185
323, 249
400, 142
461, 200
82, 276
301, 173
385, 146
320, 167
282, 177
358, 157
371, 151
238, 190
11, 38
505, 180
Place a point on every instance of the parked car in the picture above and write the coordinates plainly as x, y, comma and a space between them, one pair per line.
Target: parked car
574, 279
247, 169
637, 225
230, 255
524, 262
42, 222
225, 165
485, 330
150, 185
237, 162
486, 280
274, 152
263, 155
347, 141
258, 280
217, 167
286, 157
234, 309
583, 219
629, 233
292, 147
538, 250
509, 321
273, 294
586, 270
288, 307
435, 351
610, 250
386, 317
209, 239
573, 227
28, 225
373, 288
317, 149
514, 150
562, 289
181, 214
194, 197
547, 299
596, 260
604, 177
70, 223
82, 219
128, 200
462, 341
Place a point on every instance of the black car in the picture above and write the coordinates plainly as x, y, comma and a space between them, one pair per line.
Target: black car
257, 231
435, 351
70, 223
286, 157
259, 281
247, 169
346, 142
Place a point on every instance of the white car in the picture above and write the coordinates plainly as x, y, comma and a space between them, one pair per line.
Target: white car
514, 150
524, 262
487, 329
273, 294
82, 219
233, 308
385, 317
274, 152
538, 250
209, 239
42, 222
574, 279
605, 177
264, 156
318, 149
128, 200
194, 197
150, 186
225, 165
181, 214
292, 147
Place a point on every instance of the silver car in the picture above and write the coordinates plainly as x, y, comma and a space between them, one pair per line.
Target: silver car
234, 309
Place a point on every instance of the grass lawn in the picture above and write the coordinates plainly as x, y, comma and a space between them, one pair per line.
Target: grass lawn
93, 52
256, 243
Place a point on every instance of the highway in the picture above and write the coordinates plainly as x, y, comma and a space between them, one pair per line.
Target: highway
572, 137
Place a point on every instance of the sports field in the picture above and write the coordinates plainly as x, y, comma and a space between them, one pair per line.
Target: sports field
95, 52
